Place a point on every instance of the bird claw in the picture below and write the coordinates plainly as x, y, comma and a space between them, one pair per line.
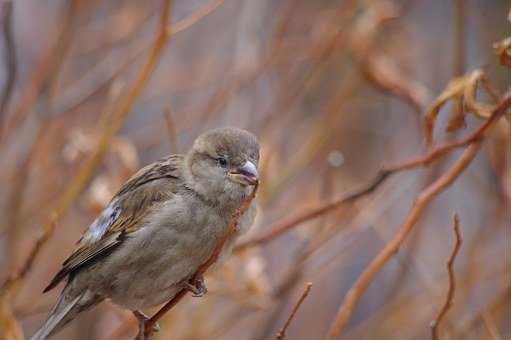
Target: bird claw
196, 286
142, 325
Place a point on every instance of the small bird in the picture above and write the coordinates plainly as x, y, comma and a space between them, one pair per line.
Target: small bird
161, 226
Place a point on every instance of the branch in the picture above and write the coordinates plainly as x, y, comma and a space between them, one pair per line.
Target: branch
378, 68
14, 281
289, 223
422, 201
10, 59
282, 333
231, 229
47, 70
86, 172
425, 197
193, 18
286, 224
109, 68
119, 115
452, 280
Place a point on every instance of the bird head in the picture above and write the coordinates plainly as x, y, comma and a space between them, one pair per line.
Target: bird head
222, 163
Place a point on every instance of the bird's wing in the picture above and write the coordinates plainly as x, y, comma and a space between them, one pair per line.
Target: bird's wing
139, 196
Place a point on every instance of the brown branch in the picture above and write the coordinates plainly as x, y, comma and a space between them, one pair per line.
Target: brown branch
79, 183
12, 282
85, 174
18, 187
378, 68
119, 115
193, 18
9, 326
457, 119
231, 229
489, 324
425, 197
10, 59
422, 201
282, 333
47, 69
286, 224
110, 67
452, 280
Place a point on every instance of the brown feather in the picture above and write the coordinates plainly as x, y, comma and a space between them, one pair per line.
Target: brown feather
140, 195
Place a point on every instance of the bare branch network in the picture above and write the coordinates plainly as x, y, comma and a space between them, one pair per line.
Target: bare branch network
321, 85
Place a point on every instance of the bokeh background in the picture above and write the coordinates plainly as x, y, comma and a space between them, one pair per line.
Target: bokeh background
333, 88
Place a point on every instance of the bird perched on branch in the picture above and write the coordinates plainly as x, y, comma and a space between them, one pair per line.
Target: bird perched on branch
161, 226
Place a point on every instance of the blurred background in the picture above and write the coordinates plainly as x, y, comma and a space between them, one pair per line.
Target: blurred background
333, 88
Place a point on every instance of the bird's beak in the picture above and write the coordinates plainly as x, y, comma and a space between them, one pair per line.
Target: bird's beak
246, 174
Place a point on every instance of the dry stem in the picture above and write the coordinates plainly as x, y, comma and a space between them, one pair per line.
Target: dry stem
452, 280
10, 59
425, 197
282, 333
87, 171
289, 223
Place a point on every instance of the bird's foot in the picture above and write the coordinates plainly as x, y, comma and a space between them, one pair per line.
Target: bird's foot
143, 325
197, 286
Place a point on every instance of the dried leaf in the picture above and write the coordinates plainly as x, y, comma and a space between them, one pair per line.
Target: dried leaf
457, 119
454, 90
503, 51
470, 93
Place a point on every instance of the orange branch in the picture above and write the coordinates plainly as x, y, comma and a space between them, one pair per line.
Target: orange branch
452, 280
289, 223
282, 333
425, 197
86, 172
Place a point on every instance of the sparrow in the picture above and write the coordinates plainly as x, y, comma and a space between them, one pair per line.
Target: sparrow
159, 228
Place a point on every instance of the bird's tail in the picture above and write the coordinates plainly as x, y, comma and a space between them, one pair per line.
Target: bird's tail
65, 310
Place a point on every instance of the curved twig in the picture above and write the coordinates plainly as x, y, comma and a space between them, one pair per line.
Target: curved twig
425, 197
10, 59
282, 333
452, 280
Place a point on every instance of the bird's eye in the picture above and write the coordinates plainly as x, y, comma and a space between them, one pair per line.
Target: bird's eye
222, 161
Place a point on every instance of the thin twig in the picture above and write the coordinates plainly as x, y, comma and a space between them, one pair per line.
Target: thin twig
378, 68
10, 59
457, 119
109, 68
491, 327
289, 223
282, 333
18, 187
47, 69
231, 229
452, 280
425, 197
86, 172
193, 18
119, 115
15, 280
